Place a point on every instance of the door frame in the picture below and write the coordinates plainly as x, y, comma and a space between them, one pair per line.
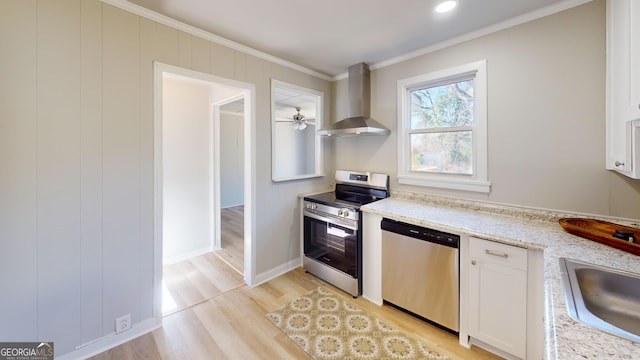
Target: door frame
247, 91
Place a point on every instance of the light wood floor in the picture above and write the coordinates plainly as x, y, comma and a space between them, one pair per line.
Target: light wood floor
192, 281
218, 317
233, 325
232, 236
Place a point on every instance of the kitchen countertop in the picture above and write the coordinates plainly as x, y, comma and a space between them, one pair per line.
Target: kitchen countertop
566, 338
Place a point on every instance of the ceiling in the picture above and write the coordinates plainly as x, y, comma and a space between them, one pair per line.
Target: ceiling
328, 36
285, 102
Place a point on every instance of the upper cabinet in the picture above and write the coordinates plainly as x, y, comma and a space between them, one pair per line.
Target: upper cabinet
623, 87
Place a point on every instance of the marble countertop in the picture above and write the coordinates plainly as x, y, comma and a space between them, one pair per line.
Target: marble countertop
566, 338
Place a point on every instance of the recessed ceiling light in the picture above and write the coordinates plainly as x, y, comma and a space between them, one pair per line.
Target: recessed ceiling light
446, 6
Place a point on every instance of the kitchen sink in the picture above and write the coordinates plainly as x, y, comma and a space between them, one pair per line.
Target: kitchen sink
603, 298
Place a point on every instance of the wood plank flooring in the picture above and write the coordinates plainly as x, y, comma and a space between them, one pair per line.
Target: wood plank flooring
192, 281
232, 236
233, 325
218, 317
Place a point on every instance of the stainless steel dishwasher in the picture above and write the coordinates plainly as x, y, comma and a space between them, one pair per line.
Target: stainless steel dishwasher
420, 272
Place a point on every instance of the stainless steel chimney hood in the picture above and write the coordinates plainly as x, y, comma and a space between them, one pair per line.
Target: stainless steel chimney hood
359, 121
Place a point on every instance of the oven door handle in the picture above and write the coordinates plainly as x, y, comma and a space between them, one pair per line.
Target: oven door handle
349, 224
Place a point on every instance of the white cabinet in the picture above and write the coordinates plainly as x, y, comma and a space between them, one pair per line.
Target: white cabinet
498, 296
623, 87
633, 17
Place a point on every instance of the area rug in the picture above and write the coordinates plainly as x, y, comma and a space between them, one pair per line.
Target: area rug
327, 326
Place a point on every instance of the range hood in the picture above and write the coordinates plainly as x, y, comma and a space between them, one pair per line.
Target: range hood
359, 121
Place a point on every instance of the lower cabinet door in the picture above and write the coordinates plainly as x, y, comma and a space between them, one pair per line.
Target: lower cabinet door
498, 296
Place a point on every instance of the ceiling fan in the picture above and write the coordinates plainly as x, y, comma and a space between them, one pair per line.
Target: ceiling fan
298, 121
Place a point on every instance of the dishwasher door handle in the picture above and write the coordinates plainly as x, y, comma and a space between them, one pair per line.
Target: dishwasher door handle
496, 253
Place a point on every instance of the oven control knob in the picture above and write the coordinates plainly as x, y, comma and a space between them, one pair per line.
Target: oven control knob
340, 212
345, 213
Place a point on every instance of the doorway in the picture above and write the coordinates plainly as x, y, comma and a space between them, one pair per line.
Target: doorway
228, 115
188, 170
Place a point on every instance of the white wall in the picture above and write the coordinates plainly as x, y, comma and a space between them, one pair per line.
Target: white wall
76, 165
286, 150
308, 165
295, 149
546, 119
232, 159
187, 168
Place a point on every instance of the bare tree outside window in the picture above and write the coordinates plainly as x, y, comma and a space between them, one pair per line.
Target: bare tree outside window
441, 133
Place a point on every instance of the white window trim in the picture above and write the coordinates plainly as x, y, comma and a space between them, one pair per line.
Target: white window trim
478, 182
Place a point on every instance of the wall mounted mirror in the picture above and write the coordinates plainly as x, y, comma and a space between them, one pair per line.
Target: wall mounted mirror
296, 114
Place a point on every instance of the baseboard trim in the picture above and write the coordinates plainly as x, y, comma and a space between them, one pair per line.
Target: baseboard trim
276, 271
112, 340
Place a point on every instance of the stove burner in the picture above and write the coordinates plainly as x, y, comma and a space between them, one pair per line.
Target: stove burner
350, 195
359, 199
352, 201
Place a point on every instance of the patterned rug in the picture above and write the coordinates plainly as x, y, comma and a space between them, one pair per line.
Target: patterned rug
328, 327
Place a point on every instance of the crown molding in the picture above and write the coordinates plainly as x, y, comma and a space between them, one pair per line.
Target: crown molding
515, 21
179, 25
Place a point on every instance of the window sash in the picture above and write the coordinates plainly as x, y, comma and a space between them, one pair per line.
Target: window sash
440, 130
477, 182
427, 86
470, 75
445, 162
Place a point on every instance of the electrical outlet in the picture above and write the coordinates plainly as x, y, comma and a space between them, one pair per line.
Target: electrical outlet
123, 323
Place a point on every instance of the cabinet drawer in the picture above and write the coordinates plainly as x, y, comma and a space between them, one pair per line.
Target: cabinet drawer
493, 252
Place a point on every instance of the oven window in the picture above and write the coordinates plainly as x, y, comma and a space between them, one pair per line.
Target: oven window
331, 244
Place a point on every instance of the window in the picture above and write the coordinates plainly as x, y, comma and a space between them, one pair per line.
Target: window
442, 129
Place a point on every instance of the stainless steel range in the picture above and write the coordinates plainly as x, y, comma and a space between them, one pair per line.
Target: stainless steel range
333, 228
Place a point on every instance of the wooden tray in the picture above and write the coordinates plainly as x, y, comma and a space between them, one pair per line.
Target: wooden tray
602, 232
